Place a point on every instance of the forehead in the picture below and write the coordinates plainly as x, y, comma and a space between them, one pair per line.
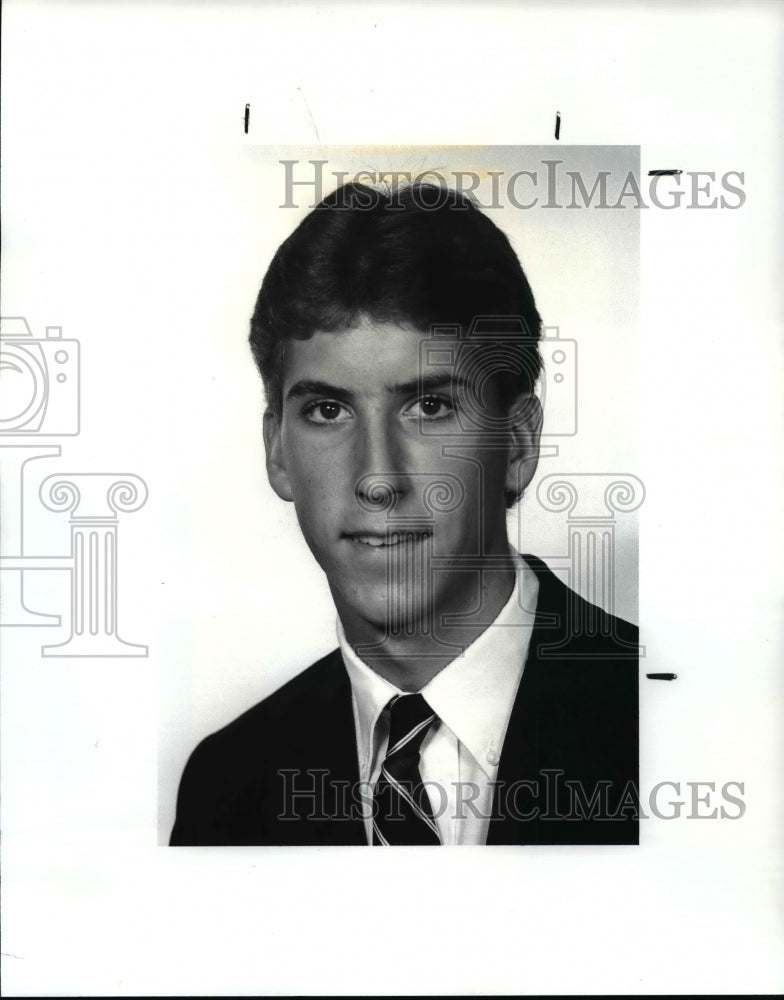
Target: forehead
365, 355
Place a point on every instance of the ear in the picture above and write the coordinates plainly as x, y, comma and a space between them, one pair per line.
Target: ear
276, 464
526, 430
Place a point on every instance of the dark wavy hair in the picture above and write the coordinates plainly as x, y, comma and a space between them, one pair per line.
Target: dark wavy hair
418, 255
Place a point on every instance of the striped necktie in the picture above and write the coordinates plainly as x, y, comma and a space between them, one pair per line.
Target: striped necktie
402, 813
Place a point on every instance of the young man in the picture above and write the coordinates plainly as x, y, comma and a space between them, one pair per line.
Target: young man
474, 698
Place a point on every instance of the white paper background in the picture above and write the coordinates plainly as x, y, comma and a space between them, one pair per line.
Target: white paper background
102, 107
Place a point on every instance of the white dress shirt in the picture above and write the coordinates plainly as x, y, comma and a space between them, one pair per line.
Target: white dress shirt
472, 697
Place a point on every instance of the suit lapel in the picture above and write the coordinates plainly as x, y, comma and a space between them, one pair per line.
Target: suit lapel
574, 722
321, 755
521, 755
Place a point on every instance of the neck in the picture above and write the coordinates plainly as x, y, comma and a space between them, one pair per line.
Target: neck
416, 652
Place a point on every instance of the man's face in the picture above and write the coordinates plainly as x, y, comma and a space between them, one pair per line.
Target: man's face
395, 497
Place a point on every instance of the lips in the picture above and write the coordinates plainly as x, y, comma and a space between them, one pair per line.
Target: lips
387, 540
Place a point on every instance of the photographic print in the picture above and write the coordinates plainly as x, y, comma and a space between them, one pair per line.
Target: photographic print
418, 411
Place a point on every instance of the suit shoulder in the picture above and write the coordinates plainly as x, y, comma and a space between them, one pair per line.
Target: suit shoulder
300, 696
572, 626
233, 763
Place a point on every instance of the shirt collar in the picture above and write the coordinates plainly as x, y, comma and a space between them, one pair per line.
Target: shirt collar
474, 694
371, 693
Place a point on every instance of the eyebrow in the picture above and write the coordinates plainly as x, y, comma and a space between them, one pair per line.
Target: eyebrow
431, 382
315, 387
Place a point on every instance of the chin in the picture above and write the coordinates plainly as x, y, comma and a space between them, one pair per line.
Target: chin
391, 610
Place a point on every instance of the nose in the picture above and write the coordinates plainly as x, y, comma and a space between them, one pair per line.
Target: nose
381, 475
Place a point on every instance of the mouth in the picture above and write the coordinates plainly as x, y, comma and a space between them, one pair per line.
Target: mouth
387, 540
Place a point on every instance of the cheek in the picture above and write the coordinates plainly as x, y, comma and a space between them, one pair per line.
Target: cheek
308, 468
493, 463
479, 473
316, 502
317, 530
312, 458
483, 483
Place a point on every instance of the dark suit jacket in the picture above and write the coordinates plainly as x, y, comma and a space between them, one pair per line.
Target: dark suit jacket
285, 771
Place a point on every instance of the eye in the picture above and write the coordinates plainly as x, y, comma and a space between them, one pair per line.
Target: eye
432, 407
326, 411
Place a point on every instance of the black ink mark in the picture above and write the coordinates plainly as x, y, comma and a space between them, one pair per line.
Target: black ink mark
247, 117
661, 677
318, 137
664, 173
557, 124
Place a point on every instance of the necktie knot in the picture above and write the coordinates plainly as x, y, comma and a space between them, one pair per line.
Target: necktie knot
409, 720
